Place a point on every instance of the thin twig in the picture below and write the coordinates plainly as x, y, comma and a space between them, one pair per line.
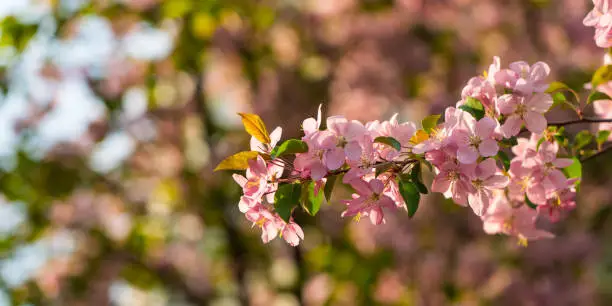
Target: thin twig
583, 120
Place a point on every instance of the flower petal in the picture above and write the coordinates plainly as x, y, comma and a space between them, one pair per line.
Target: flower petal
540, 102
334, 158
376, 216
535, 122
377, 186
441, 183
485, 127
488, 147
353, 151
467, 154
497, 182
486, 168
275, 136
512, 126
539, 71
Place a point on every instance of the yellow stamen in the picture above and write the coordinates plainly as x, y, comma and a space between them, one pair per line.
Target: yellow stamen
522, 241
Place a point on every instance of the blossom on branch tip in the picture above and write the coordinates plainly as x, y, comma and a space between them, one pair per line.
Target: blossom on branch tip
601, 19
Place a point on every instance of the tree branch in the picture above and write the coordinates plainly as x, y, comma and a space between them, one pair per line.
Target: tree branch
583, 120
601, 152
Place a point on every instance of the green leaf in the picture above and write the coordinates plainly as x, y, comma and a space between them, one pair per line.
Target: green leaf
602, 137
329, 186
390, 141
430, 122
503, 157
311, 202
290, 146
287, 197
601, 76
255, 127
238, 161
410, 194
474, 107
540, 141
416, 178
558, 99
582, 139
574, 170
556, 87
561, 140
596, 96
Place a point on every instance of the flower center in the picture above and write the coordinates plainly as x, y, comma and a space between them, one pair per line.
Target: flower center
524, 72
475, 141
477, 183
319, 153
373, 198
341, 142
521, 109
453, 175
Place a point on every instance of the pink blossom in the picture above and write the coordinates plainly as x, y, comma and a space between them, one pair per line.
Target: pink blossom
393, 192
528, 110
402, 132
311, 125
530, 79
260, 178
365, 164
526, 182
269, 222
603, 108
485, 178
475, 138
439, 137
501, 217
258, 146
481, 89
560, 201
348, 135
601, 18
500, 78
368, 201
448, 153
550, 165
292, 233
526, 150
494, 69
453, 181
323, 155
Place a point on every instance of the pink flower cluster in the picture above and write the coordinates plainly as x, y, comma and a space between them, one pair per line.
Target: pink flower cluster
257, 202
467, 154
463, 151
350, 145
601, 19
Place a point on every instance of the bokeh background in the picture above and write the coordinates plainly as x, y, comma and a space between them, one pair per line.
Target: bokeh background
113, 114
